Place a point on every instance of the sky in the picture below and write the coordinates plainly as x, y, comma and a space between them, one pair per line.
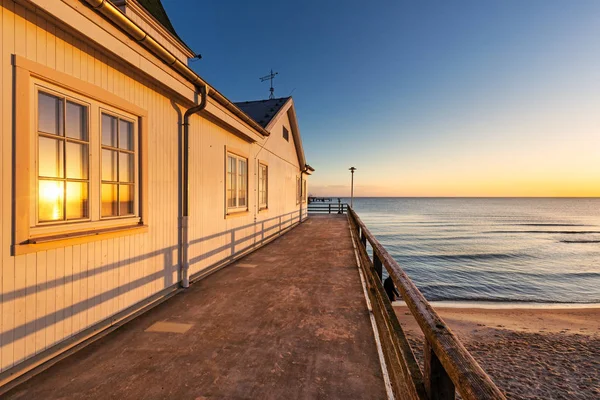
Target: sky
424, 98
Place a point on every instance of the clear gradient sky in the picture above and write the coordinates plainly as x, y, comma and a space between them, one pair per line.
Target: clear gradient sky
425, 98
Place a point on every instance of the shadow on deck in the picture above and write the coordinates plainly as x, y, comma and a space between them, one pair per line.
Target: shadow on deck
287, 321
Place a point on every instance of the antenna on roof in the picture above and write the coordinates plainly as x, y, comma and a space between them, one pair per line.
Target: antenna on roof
270, 77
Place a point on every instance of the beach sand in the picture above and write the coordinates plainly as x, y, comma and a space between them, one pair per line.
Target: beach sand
529, 353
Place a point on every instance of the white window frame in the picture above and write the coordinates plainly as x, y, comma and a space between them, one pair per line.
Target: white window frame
94, 220
263, 205
237, 207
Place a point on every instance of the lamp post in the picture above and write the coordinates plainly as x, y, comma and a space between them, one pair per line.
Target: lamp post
352, 169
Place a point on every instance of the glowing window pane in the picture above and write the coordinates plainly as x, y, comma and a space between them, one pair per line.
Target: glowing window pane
110, 201
109, 165
77, 200
126, 167
231, 181
51, 157
50, 200
77, 160
76, 123
125, 135
49, 114
243, 175
109, 131
126, 199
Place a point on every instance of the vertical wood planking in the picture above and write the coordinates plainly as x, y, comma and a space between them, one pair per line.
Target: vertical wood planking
40, 29
91, 282
30, 309
49, 297
100, 256
50, 46
64, 256
40, 302
20, 268
76, 262
83, 287
60, 292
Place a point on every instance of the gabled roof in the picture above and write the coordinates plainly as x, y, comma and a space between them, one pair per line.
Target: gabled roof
156, 9
262, 111
267, 112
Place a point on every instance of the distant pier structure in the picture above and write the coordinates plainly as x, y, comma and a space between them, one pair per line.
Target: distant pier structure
312, 199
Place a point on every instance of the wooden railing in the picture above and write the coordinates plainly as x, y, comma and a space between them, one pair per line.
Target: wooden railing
327, 208
448, 366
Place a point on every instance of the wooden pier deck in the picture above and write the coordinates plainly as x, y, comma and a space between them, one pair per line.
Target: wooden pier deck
287, 321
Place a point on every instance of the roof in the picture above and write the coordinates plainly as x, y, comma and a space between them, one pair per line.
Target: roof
262, 111
156, 9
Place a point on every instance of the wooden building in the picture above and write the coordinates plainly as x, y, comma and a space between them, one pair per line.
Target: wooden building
113, 194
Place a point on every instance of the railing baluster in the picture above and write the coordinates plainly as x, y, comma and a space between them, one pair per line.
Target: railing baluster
329, 208
438, 384
378, 266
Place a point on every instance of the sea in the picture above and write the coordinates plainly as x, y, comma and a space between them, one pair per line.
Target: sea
505, 250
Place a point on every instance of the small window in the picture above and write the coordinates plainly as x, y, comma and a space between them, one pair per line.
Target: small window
286, 134
304, 191
298, 190
237, 183
263, 182
118, 167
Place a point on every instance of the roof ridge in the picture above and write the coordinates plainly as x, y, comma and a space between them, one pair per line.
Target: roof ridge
262, 111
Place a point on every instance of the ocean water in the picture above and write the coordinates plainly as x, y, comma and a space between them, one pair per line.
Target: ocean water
543, 250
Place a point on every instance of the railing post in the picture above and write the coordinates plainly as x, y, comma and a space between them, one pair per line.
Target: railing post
438, 384
378, 266
329, 208
363, 238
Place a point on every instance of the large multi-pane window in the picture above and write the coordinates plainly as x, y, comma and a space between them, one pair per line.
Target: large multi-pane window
118, 168
63, 154
263, 182
86, 166
237, 183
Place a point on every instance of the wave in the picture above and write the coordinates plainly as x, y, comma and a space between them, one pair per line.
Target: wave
553, 232
579, 241
473, 256
507, 300
550, 225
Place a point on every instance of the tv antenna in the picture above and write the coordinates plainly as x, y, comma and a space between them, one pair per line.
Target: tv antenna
270, 77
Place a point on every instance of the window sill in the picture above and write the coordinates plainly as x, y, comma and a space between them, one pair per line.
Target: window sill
69, 239
263, 210
235, 214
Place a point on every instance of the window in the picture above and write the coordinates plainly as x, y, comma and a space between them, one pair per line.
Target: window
304, 191
237, 183
118, 160
263, 182
63, 154
58, 155
286, 134
70, 146
298, 188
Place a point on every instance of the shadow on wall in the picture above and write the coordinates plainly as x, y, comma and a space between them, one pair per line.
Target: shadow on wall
257, 238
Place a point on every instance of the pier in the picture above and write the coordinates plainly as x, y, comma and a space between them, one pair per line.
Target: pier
302, 317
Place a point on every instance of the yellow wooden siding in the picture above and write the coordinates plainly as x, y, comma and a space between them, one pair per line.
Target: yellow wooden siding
51, 295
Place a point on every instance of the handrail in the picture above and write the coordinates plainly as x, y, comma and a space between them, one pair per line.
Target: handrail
328, 208
448, 364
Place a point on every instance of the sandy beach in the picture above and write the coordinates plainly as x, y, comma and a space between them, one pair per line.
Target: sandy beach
530, 353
